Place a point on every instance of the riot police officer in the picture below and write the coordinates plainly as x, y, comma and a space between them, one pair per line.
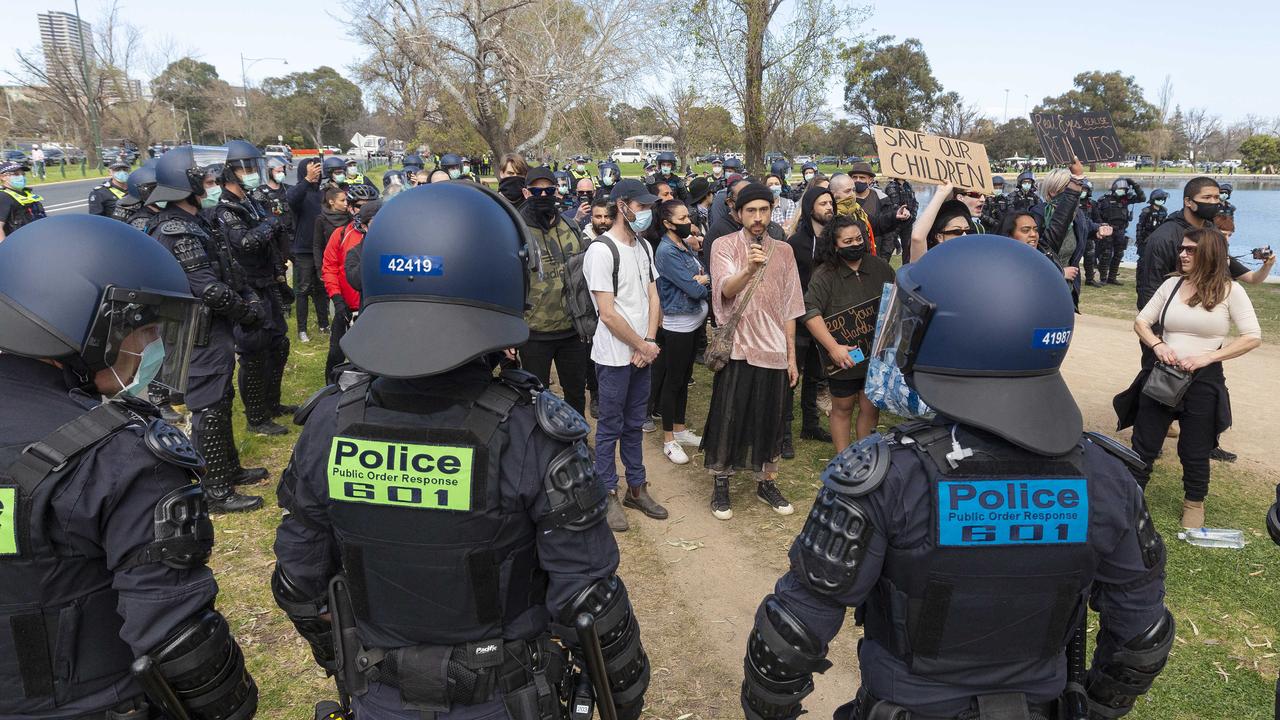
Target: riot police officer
498, 490
609, 174
971, 543
272, 195
104, 532
579, 170
451, 163
718, 176
668, 167
134, 208
217, 281
253, 235
1115, 209
103, 198
333, 171
412, 164
1225, 207
733, 165
19, 204
1150, 218
808, 172
1024, 196
997, 204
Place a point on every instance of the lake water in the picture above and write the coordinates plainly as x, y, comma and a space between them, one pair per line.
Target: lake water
1257, 212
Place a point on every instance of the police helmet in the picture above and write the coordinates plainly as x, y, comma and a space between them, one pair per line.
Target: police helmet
392, 176
1027, 175
332, 164
412, 161
609, 173
113, 281
361, 192
1224, 188
1159, 195
580, 158
241, 155
997, 371
781, 168
997, 181
564, 178
434, 301
449, 160
733, 164
669, 157
177, 176
1120, 184
717, 160
809, 166
276, 161
140, 184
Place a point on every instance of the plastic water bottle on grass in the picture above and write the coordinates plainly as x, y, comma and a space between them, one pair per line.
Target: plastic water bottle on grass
1214, 537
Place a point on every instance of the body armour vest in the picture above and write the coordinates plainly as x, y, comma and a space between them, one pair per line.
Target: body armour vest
1003, 576
429, 553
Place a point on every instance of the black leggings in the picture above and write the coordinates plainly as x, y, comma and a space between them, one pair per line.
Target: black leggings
306, 284
671, 375
572, 364
1197, 419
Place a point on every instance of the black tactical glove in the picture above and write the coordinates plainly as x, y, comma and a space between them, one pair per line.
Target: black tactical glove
341, 309
256, 316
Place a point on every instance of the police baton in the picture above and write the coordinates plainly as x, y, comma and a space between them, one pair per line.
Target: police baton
593, 658
1074, 697
157, 689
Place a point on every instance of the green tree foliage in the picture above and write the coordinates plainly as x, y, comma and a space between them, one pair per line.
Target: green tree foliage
628, 120
889, 83
1015, 137
1261, 152
711, 127
317, 104
189, 86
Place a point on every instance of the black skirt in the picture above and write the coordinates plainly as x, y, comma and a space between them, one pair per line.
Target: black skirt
744, 422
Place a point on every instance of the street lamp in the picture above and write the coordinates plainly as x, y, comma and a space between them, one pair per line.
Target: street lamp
244, 81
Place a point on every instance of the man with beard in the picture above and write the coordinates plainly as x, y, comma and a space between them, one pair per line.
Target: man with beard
552, 337
817, 207
727, 222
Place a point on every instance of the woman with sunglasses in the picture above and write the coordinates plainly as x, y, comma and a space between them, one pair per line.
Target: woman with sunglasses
944, 218
1203, 303
1064, 227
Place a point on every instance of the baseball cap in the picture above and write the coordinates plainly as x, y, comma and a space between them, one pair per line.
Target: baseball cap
632, 189
541, 172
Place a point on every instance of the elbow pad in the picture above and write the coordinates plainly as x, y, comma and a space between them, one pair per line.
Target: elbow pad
222, 300
183, 531
782, 655
1121, 674
304, 613
205, 667
624, 658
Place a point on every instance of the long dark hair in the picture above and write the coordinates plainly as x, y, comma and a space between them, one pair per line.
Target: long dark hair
825, 252
662, 211
1209, 276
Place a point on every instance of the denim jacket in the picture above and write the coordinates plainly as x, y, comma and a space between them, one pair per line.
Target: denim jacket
677, 290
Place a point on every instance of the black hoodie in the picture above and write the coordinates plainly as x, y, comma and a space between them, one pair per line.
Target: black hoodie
304, 199
803, 241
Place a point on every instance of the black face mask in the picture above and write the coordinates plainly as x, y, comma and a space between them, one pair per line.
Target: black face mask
1206, 211
544, 209
853, 253
682, 231
510, 188
860, 187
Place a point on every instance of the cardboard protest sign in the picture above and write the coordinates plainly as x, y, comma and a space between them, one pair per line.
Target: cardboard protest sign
1088, 136
932, 159
855, 327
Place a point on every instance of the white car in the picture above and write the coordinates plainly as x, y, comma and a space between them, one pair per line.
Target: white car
626, 155
802, 159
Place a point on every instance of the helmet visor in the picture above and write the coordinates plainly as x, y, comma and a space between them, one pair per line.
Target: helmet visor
904, 319
130, 320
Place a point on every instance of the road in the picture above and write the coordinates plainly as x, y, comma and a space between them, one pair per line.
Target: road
70, 196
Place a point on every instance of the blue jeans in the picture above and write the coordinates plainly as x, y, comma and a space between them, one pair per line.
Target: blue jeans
624, 399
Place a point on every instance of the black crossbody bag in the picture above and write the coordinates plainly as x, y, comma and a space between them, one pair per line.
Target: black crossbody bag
1167, 384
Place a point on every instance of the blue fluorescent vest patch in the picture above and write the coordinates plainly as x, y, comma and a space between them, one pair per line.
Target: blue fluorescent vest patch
977, 512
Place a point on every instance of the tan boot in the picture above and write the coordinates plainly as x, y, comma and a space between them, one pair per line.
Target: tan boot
1192, 514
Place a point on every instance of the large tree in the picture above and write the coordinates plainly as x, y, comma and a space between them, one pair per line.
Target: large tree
1261, 153
1016, 137
320, 104
513, 67
628, 120
889, 83
1110, 92
190, 87
954, 117
1200, 128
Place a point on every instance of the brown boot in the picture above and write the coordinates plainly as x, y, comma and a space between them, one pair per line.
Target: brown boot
1192, 514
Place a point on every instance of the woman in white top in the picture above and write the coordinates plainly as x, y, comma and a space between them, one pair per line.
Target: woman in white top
1203, 303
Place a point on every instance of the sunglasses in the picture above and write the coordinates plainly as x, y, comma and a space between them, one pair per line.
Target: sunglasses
955, 233
974, 195
1189, 249
542, 191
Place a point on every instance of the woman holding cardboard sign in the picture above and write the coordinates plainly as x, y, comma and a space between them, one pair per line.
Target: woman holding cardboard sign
841, 304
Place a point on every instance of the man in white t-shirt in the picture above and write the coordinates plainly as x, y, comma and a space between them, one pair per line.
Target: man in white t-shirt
623, 348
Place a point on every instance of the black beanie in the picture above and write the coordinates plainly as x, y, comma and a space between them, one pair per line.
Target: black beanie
752, 192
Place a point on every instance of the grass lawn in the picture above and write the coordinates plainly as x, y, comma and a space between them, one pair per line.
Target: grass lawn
60, 173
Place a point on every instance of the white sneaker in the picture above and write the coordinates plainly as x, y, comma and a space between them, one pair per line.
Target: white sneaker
302, 337
674, 452
688, 437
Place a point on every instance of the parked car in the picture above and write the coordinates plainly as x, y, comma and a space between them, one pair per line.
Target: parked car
73, 154
626, 155
827, 160
802, 159
54, 156
15, 155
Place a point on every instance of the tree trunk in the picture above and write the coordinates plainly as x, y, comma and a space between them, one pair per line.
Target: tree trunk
753, 130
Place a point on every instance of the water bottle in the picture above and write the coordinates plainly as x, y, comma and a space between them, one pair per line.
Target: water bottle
1214, 537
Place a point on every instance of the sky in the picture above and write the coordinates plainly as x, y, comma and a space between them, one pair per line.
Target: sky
1033, 49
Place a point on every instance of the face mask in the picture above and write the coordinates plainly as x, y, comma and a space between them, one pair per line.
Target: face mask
606, 179
666, 169
1083, 194
641, 223
581, 167
564, 189
1120, 192
18, 182
1026, 187
1158, 203
466, 169
162, 204
152, 360
852, 253
121, 176
510, 188
860, 187
999, 191
776, 190
808, 177
716, 170
211, 196
1206, 211
454, 173
1226, 196
339, 177
250, 181
847, 206
278, 177
682, 230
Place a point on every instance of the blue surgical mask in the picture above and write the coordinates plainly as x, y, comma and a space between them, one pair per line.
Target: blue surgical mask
999, 191
152, 360
581, 167
454, 173
1026, 187
250, 181
1120, 192
339, 177
120, 176
162, 204
606, 178
211, 196
1158, 203
641, 223
665, 169
776, 189
278, 177
466, 169
18, 182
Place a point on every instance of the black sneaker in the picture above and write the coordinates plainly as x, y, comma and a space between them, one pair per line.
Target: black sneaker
224, 499
720, 499
770, 495
788, 449
815, 434
283, 409
1113, 281
268, 428
1223, 455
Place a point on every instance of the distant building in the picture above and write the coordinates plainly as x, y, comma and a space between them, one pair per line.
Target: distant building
650, 143
63, 35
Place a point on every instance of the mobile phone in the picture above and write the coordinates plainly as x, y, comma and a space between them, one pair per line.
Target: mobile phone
856, 355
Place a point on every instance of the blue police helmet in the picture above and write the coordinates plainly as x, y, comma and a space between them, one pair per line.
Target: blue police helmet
732, 164
809, 166
177, 176
412, 161
1225, 188
1158, 194
112, 280
997, 180
781, 168
990, 352
439, 295
141, 182
332, 163
450, 160
1027, 175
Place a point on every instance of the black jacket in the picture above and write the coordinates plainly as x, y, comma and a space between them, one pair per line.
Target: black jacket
1159, 259
304, 199
803, 243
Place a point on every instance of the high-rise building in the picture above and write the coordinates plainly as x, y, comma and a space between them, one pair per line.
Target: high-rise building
63, 34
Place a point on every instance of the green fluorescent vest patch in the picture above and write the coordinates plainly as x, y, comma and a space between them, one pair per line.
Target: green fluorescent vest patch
420, 477
8, 521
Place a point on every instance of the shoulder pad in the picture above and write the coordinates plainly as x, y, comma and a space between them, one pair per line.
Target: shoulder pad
558, 419
172, 445
179, 227
575, 497
302, 413
183, 531
526, 382
860, 468
1117, 450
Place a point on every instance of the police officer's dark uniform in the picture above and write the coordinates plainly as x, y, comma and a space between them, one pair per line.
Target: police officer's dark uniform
579, 170
1151, 217
672, 178
272, 195
104, 532
718, 182
997, 204
253, 234
609, 174
971, 543
483, 525
19, 206
1226, 207
134, 208
1116, 209
103, 198
1024, 196
1273, 529
218, 281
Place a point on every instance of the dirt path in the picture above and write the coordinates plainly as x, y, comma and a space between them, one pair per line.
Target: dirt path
1104, 358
